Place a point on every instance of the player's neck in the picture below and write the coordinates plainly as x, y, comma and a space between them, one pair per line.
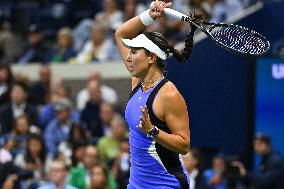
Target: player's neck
151, 80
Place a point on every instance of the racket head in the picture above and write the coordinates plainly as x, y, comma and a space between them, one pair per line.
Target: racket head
239, 39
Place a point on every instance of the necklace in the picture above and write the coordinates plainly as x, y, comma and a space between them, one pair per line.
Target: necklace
151, 82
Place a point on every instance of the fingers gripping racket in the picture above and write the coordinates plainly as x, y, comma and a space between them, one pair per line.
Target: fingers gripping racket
234, 38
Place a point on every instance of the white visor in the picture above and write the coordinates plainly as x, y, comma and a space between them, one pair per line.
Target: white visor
141, 41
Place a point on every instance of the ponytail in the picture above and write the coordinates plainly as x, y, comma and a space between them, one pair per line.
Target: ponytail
163, 43
183, 55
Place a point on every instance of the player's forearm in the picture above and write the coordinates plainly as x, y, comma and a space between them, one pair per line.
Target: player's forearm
130, 29
173, 142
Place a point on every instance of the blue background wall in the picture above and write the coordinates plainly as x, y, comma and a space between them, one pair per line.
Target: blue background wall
219, 87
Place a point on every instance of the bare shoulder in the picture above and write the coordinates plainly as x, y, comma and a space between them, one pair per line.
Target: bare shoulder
170, 94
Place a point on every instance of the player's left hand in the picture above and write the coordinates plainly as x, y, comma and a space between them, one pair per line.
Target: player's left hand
145, 123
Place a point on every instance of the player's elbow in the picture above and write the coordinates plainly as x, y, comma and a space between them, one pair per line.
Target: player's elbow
185, 148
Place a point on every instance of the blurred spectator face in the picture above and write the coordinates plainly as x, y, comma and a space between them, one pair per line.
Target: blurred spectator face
110, 5
98, 34
79, 153
96, 76
106, 112
117, 128
57, 172
94, 91
58, 93
129, 9
91, 157
34, 146
261, 147
63, 108
64, 38
18, 94
22, 125
4, 74
34, 38
99, 177
63, 115
77, 133
45, 74
218, 164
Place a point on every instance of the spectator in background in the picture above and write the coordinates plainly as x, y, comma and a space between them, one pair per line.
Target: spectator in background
109, 95
271, 169
58, 92
108, 146
78, 153
76, 134
10, 43
91, 113
110, 17
63, 52
215, 176
40, 89
192, 163
58, 129
19, 134
11, 176
80, 177
18, 106
100, 178
5, 151
107, 113
35, 52
121, 165
57, 174
34, 158
224, 9
6, 80
99, 48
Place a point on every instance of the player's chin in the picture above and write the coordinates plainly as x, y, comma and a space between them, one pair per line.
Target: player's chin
133, 73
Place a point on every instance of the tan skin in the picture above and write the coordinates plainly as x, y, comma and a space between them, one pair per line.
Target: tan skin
169, 105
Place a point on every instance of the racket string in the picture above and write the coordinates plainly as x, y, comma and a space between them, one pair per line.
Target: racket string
239, 40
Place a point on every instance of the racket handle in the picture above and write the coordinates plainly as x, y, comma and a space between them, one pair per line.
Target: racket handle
174, 13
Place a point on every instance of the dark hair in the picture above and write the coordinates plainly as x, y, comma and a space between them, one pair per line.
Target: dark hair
74, 127
10, 73
22, 85
78, 144
42, 154
167, 47
263, 137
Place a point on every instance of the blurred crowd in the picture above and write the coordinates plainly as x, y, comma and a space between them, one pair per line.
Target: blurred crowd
50, 138
53, 31
227, 172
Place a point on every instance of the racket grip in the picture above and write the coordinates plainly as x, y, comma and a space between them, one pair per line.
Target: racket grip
174, 13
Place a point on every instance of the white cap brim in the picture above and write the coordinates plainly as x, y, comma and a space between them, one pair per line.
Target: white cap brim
141, 41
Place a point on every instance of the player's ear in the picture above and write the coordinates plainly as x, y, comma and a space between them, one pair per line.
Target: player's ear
152, 57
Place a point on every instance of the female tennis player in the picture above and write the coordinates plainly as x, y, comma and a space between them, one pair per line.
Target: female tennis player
156, 111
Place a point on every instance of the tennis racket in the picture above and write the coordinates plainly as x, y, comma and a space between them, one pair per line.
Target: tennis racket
234, 38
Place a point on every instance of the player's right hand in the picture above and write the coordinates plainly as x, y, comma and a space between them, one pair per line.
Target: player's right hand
157, 8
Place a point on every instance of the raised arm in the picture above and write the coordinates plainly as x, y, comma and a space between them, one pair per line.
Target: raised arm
134, 26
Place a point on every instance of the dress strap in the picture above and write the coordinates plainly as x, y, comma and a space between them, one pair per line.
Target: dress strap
134, 90
150, 101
